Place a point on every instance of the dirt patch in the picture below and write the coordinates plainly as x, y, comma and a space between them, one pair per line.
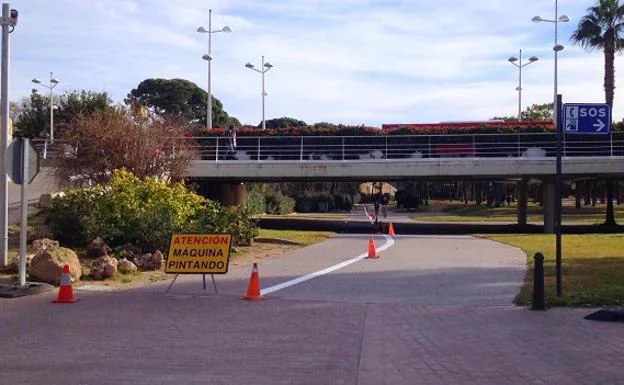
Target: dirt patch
245, 256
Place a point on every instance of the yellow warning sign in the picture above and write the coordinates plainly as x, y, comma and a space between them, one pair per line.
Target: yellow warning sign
199, 254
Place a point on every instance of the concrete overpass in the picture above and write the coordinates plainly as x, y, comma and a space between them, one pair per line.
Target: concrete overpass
478, 157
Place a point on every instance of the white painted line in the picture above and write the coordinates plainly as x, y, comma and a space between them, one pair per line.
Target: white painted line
389, 243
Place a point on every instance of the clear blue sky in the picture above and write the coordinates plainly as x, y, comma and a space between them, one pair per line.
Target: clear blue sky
343, 61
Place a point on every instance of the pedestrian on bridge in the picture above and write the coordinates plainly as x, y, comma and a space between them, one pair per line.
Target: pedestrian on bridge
231, 154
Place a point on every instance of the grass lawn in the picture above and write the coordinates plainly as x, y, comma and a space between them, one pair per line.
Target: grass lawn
303, 237
314, 216
458, 212
592, 264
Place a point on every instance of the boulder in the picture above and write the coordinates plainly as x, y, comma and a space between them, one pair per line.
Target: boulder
39, 245
47, 265
97, 248
158, 260
126, 266
149, 261
103, 267
127, 250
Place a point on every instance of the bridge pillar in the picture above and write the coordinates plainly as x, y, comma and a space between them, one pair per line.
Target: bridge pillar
523, 199
233, 194
549, 206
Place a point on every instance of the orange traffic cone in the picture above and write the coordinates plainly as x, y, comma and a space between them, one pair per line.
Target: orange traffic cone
391, 230
371, 249
66, 293
253, 290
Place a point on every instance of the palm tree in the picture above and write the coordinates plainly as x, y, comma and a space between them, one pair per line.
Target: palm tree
603, 28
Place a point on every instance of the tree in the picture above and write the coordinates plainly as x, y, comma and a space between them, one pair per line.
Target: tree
97, 143
283, 122
179, 98
543, 111
32, 114
602, 28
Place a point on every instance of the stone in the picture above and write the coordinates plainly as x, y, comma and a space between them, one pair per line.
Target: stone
47, 265
97, 248
158, 260
39, 245
126, 266
103, 267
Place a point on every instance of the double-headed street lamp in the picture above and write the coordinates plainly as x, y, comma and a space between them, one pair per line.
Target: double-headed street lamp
558, 182
208, 58
265, 67
517, 61
557, 47
53, 83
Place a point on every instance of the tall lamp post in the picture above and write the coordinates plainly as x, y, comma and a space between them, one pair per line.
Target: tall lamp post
557, 47
517, 61
8, 23
53, 83
557, 115
208, 58
265, 67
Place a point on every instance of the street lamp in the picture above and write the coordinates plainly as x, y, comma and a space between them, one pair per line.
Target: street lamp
517, 61
208, 58
8, 23
265, 67
53, 83
557, 47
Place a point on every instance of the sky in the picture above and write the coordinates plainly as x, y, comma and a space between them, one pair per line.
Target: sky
341, 61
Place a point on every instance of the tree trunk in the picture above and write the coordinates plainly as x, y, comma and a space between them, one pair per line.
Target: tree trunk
578, 194
609, 74
610, 217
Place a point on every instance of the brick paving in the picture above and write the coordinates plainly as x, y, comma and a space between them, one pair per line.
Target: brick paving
148, 337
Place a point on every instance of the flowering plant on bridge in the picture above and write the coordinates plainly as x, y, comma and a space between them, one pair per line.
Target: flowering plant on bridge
494, 127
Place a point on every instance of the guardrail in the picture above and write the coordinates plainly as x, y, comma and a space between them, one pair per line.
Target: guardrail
382, 147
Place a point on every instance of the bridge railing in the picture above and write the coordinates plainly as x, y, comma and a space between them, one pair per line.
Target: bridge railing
388, 147
382, 147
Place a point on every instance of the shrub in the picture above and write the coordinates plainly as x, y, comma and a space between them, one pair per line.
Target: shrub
343, 201
255, 200
143, 212
407, 199
278, 203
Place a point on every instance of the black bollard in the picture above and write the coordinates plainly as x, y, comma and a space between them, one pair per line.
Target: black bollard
538, 283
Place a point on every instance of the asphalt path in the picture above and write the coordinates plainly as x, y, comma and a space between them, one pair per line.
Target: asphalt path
429, 310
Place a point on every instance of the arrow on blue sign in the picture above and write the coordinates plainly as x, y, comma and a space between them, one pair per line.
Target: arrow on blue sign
586, 118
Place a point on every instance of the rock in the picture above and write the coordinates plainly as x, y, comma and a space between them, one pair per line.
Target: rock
126, 266
158, 260
47, 265
45, 200
103, 267
97, 248
149, 261
39, 245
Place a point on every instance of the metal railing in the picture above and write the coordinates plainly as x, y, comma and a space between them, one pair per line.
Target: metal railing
382, 147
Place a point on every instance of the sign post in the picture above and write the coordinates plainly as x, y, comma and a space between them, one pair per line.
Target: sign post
198, 254
558, 201
578, 118
587, 118
23, 166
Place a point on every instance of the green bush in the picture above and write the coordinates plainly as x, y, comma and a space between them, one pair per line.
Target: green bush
278, 203
407, 200
255, 200
144, 212
305, 203
343, 201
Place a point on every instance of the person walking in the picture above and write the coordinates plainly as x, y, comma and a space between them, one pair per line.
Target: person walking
232, 139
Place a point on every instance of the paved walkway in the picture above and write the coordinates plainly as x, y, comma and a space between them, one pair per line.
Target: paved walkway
431, 310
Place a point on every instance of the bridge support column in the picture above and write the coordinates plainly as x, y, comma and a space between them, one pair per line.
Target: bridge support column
523, 199
549, 206
233, 194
